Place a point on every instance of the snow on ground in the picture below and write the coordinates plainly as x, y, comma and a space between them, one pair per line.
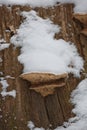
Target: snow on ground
5, 85
40, 52
79, 99
80, 5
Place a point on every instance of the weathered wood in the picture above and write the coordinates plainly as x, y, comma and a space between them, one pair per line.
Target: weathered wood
29, 105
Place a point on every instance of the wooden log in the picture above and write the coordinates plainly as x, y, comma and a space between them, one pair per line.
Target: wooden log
29, 105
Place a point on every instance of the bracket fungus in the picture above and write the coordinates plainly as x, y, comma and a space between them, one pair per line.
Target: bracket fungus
45, 83
82, 18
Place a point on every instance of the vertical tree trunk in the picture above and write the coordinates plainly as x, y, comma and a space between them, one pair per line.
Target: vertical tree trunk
29, 105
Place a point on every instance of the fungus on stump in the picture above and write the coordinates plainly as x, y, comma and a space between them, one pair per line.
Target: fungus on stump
29, 105
45, 106
45, 83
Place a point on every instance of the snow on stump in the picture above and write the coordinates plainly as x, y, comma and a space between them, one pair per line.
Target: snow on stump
45, 83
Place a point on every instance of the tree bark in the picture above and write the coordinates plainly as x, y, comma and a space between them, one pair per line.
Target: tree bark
29, 105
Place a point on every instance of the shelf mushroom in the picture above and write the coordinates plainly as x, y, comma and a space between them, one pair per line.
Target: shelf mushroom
45, 83
82, 18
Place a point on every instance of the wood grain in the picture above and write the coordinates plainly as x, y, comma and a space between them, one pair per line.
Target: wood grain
29, 105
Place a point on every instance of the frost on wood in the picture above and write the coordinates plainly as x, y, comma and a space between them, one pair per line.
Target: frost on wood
40, 52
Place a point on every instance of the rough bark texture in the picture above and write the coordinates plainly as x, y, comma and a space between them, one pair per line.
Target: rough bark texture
29, 105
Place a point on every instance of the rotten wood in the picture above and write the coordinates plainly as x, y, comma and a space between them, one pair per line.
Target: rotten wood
29, 105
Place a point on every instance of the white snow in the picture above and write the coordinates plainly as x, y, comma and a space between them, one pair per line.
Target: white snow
40, 52
80, 5
5, 85
31, 126
10, 93
3, 44
79, 99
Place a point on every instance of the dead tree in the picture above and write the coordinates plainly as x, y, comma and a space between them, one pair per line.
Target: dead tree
34, 100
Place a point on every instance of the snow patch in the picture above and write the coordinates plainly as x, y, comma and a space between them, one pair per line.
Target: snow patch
79, 99
10, 93
3, 44
31, 126
80, 5
5, 85
40, 52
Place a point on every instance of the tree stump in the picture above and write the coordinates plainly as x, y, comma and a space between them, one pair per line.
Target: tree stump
29, 105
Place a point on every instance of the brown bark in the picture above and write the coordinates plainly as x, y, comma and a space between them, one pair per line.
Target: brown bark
29, 105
